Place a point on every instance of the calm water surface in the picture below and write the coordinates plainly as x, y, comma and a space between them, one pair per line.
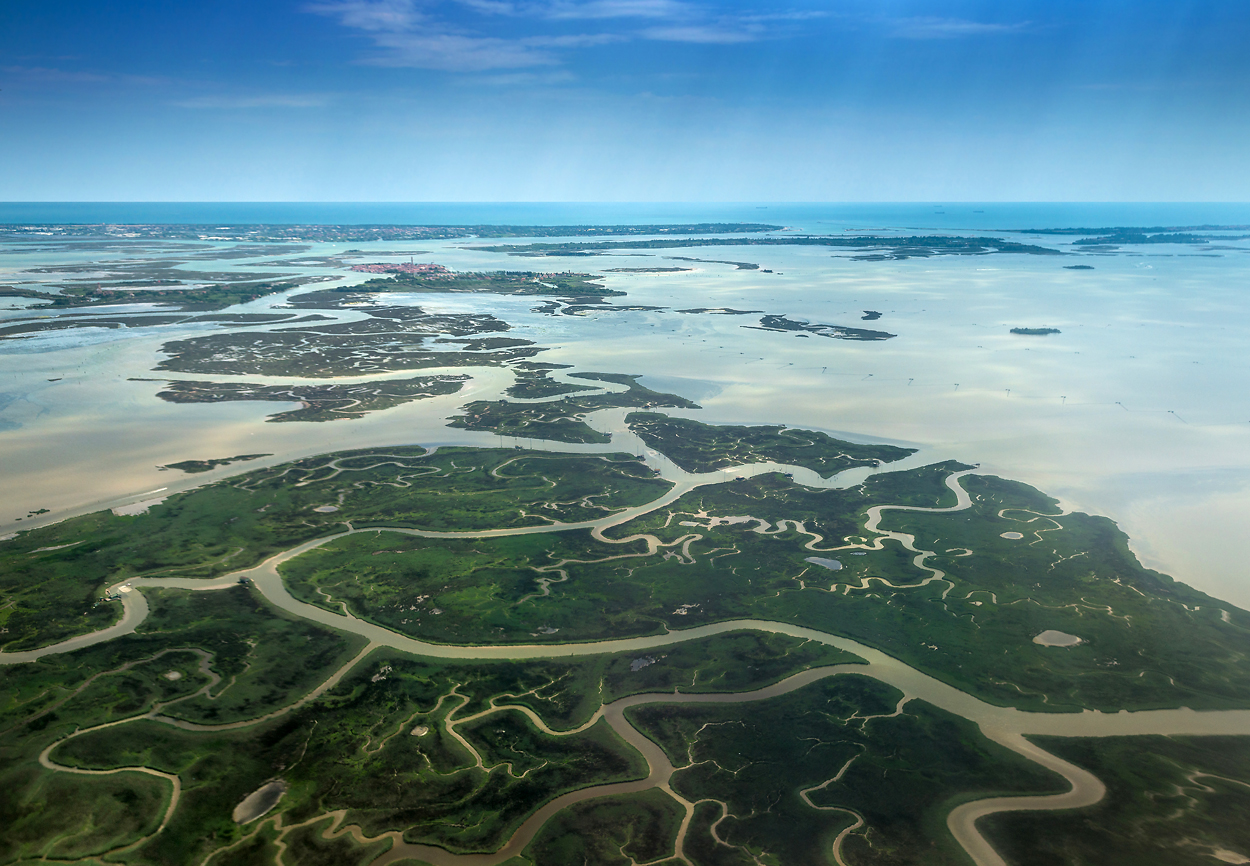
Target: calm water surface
1136, 410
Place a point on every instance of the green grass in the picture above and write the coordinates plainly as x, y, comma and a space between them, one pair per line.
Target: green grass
266, 660
890, 247
69, 817
564, 420
535, 384
616, 831
193, 466
500, 282
698, 447
905, 773
215, 297
1171, 801
1066, 580
320, 402
353, 747
307, 847
234, 524
976, 635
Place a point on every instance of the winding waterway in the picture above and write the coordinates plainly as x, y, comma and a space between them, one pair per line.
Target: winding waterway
1004, 725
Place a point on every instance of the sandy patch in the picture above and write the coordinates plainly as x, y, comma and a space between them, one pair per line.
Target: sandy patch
259, 802
1050, 637
136, 508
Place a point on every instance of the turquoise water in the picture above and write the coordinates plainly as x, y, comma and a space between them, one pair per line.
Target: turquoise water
807, 216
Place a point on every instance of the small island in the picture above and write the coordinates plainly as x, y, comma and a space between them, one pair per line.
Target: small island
1035, 332
206, 465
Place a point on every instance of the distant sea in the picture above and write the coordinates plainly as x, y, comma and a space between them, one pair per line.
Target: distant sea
812, 217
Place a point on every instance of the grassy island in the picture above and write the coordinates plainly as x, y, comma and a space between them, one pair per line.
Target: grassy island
882, 247
319, 402
499, 282
564, 420
698, 447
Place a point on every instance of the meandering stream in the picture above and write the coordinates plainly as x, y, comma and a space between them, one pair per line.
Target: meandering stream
1004, 725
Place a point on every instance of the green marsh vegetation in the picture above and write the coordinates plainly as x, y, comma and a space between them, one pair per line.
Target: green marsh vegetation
498, 282
379, 744
1075, 573
534, 382
977, 633
252, 660
844, 754
216, 297
316, 354
388, 338
195, 466
260, 660
434, 750
52, 578
320, 402
1173, 800
737, 550
891, 247
833, 332
697, 447
564, 420
619, 831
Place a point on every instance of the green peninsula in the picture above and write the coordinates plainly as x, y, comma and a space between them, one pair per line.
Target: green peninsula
216, 297
320, 402
564, 420
885, 247
498, 282
698, 447
194, 466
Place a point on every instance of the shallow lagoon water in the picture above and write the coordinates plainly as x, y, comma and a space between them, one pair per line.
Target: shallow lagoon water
1135, 410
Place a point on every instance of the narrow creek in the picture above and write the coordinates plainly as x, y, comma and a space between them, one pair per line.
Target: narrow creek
1004, 725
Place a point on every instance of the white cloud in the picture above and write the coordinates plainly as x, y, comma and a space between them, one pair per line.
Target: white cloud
705, 34
600, 9
372, 15
584, 9
951, 28
525, 79
406, 35
267, 100
52, 75
574, 40
454, 53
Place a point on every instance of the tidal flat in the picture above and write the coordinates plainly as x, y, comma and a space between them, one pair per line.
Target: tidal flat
1151, 440
523, 619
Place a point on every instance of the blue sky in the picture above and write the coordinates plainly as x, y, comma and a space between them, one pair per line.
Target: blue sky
665, 100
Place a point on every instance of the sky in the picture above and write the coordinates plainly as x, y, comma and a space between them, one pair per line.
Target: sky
624, 100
